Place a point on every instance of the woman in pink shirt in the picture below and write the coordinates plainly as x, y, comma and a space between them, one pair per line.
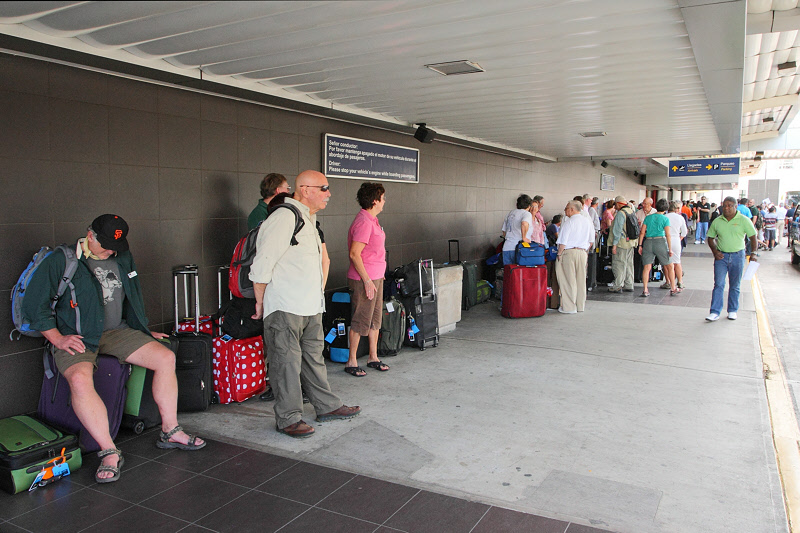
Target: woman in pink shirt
608, 217
367, 244
538, 228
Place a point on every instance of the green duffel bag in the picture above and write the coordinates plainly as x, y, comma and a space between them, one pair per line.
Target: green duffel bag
484, 291
26, 445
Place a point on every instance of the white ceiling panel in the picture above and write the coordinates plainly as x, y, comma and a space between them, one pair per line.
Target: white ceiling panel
655, 74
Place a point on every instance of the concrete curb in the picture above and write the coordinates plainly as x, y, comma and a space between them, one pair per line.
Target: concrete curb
785, 432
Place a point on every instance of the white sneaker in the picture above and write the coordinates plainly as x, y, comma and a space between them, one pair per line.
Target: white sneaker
574, 312
697, 242
731, 316
713, 317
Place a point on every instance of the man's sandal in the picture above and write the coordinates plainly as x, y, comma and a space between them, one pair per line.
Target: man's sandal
108, 468
164, 443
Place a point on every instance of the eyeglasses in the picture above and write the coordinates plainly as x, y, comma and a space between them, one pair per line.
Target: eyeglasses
323, 188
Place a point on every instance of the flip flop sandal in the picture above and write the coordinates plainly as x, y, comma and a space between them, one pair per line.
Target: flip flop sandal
378, 365
108, 468
645, 294
355, 371
164, 443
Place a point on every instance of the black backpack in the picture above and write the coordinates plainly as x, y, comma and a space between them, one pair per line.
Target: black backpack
237, 321
631, 224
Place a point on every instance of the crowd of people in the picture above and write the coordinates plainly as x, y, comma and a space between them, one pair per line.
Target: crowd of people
646, 238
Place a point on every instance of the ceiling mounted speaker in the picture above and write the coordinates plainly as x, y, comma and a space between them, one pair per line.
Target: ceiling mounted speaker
604, 164
424, 135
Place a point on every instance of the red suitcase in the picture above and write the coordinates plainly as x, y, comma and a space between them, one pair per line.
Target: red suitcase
524, 291
239, 370
206, 325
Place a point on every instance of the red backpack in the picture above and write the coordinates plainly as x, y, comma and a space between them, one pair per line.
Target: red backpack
239, 275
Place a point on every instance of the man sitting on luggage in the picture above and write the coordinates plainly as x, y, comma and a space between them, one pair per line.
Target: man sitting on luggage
289, 282
108, 318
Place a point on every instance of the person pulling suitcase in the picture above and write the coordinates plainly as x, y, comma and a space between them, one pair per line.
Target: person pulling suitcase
107, 316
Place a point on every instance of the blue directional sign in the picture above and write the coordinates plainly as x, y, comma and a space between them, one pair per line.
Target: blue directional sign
722, 166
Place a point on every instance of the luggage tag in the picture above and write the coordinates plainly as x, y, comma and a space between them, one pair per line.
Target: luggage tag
331, 336
340, 329
389, 307
414, 329
226, 338
51, 471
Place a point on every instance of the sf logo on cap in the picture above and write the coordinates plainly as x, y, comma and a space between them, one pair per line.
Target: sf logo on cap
118, 234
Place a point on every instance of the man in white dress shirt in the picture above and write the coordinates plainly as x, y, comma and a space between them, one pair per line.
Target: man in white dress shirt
574, 240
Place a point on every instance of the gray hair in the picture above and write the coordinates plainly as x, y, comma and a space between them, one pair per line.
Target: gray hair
576, 205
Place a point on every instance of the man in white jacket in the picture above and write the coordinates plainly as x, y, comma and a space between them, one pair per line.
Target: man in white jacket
288, 281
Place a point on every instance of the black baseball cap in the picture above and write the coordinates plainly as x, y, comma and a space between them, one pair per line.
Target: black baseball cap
112, 232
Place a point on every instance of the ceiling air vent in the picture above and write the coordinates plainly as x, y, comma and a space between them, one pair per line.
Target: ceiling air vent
768, 119
451, 68
593, 134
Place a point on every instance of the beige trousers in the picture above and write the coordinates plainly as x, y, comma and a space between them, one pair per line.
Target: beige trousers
294, 351
571, 275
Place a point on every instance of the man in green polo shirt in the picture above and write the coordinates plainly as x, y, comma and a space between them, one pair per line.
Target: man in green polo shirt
726, 240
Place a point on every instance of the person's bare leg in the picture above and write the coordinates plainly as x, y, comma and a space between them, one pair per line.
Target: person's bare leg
669, 270
158, 358
354, 338
678, 273
90, 409
646, 276
373, 345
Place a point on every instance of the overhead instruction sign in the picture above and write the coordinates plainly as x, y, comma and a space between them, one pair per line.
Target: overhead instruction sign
346, 157
723, 166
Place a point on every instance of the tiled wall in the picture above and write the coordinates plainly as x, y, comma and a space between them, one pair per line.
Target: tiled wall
183, 169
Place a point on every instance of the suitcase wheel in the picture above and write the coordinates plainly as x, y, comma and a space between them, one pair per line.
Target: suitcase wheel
138, 427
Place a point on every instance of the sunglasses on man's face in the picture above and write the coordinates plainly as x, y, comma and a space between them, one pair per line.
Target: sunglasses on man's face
323, 188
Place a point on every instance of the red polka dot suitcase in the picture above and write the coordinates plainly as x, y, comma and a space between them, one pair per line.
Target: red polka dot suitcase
239, 369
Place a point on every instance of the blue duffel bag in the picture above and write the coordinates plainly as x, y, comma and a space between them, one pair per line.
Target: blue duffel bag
530, 254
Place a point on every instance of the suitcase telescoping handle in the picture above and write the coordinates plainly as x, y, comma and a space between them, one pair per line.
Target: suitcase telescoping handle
185, 272
450, 250
428, 265
220, 277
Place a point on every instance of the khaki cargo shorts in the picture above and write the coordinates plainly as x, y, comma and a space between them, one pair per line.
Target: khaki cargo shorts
119, 343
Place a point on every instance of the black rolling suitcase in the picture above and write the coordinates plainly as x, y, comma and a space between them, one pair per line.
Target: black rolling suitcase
193, 350
336, 325
469, 283
656, 272
605, 274
422, 314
